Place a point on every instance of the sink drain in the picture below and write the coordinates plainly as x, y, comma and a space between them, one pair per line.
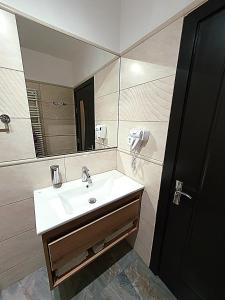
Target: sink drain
92, 200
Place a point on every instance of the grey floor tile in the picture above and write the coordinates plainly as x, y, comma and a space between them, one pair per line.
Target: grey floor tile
36, 286
118, 274
14, 292
147, 285
119, 288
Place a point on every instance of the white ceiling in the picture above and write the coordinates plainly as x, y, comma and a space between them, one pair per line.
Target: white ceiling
43, 39
71, 61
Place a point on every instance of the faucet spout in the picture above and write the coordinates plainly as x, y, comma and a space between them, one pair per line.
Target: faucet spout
86, 177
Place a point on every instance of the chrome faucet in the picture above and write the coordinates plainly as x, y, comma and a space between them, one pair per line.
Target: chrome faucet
86, 177
56, 177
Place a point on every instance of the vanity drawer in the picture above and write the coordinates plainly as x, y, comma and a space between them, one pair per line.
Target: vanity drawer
74, 243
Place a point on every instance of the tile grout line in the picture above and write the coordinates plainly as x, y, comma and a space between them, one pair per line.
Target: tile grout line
143, 83
21, 233
154, 161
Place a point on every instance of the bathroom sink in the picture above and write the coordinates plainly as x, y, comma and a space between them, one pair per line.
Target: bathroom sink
54, 207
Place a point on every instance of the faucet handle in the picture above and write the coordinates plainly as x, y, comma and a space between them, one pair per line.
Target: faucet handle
84, 168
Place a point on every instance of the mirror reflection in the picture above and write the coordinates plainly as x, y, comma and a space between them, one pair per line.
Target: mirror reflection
72, 90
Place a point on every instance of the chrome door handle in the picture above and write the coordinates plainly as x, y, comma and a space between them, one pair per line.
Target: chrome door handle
178, 193
183, 194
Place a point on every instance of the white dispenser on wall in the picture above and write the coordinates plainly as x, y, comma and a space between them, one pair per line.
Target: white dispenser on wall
100, 131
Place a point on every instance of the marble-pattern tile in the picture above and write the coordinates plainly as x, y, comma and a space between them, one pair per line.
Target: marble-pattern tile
155, 146
13, 214
107, 79
118, 274
145, 283
14, 292
36, 286
147, 102
25, 178
10, 48
106, 107
97, 163
18, 143
13, 96
120, 288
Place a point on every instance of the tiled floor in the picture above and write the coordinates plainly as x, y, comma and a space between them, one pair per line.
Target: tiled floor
118, 274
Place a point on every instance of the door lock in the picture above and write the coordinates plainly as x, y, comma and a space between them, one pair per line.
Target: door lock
178, 192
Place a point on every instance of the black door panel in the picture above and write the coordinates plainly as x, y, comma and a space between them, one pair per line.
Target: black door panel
193, 253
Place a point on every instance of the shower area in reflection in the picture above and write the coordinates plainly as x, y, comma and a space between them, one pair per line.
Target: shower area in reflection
62, 118
52, 112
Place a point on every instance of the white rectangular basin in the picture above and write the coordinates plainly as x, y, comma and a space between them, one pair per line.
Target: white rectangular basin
54, 207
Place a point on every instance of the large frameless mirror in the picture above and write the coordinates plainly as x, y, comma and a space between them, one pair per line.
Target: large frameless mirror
72, 90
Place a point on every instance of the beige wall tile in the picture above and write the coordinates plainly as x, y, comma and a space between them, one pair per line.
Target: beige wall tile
50, 92
99, 145
153, 59
147, 173
18, 143
16, 218
162, 48
144, 240
106, 107
18, 272
60, 144
51, 111
19, 181
10, 48
147, 102
135, 72
13, 97
32, 85
107, 80
59, 127
111, 136
19, 248
155, 147
95, 162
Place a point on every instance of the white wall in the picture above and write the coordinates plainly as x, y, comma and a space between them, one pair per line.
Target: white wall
50, 69
113, 25
96, 21
46, 68
87, 62
139, 18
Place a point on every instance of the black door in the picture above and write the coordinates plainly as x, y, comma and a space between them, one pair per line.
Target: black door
193, 253
85, 115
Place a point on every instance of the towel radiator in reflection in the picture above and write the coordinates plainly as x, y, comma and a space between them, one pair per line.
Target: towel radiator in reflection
33, 101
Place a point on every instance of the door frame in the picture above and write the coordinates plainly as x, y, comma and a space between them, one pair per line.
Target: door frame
77, 111
184, 67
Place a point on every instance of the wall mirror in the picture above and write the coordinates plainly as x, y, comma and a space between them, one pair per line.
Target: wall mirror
72, 90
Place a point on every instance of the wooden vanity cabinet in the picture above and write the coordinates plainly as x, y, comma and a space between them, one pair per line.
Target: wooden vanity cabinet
67, 241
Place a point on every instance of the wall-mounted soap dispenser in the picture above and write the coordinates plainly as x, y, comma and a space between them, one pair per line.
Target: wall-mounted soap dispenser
101, 131
56, 176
